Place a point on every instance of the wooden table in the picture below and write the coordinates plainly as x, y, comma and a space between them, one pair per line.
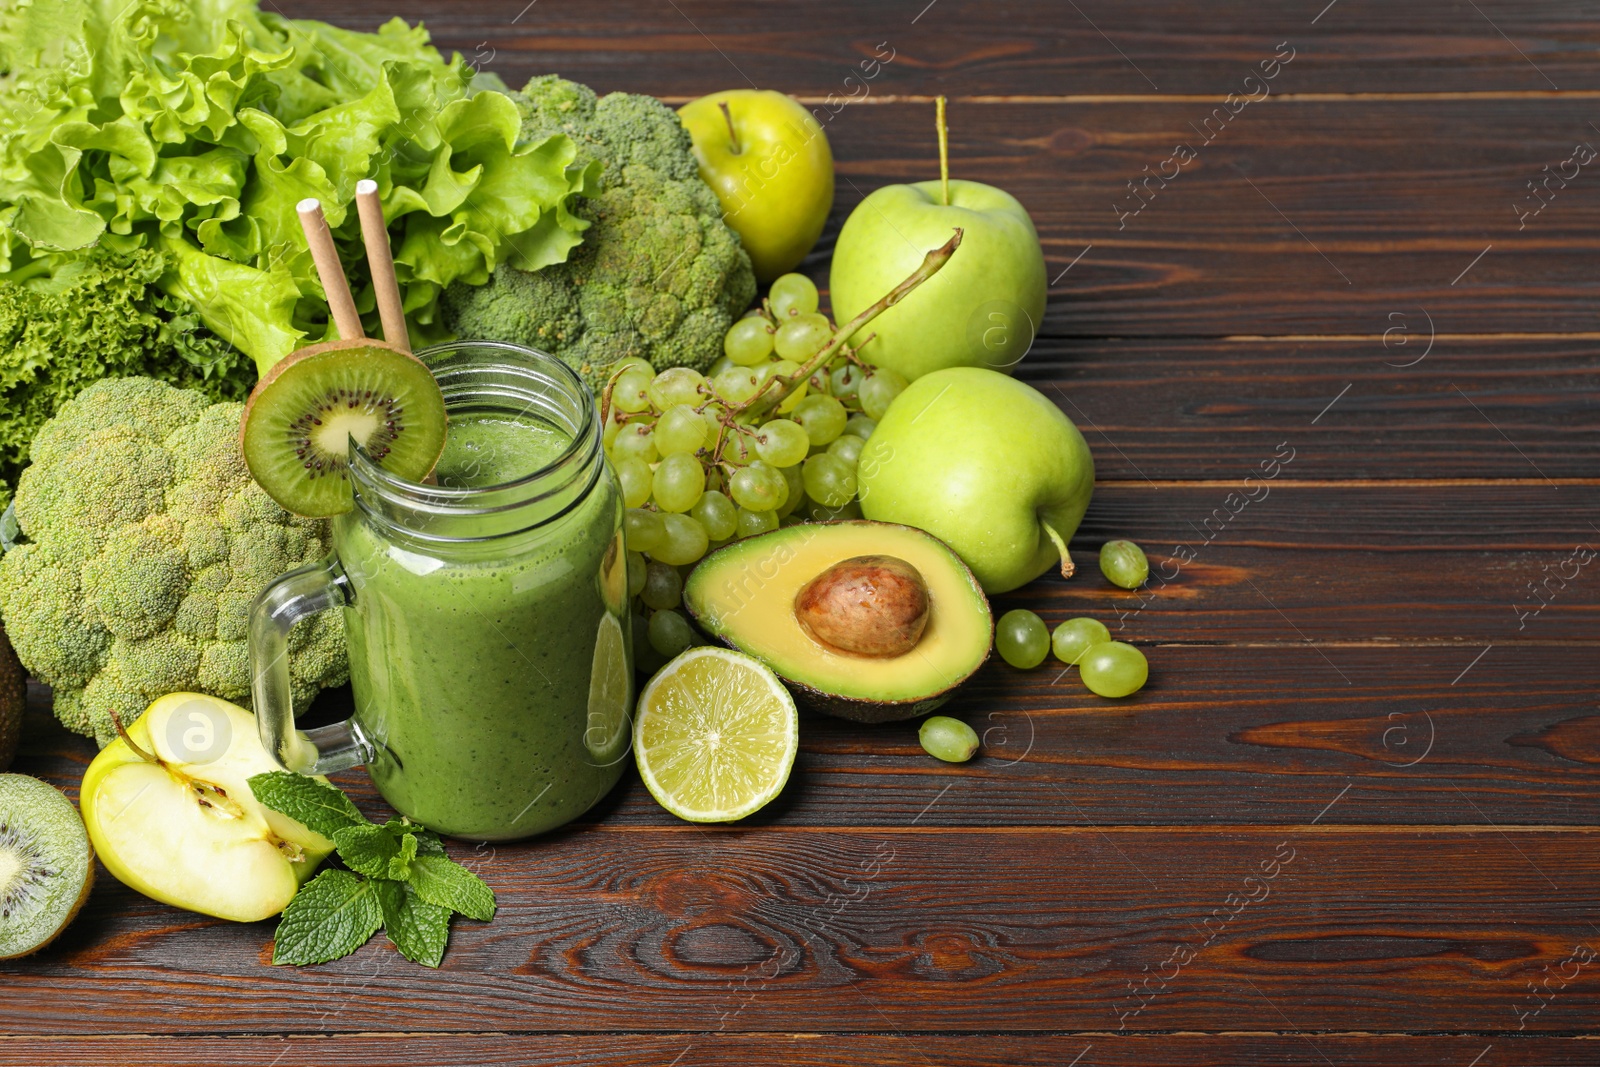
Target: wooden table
1339, 379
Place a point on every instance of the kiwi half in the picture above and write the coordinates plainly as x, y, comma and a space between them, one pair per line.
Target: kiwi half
302, 416
46, 864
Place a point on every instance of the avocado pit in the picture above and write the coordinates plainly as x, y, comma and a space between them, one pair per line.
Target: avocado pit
873, 605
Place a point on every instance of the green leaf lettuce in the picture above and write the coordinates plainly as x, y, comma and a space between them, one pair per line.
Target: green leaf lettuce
193, 127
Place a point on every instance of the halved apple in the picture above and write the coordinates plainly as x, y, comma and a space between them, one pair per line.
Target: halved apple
170, 812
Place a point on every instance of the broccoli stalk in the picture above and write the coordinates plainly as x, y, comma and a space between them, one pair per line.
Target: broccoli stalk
659, 274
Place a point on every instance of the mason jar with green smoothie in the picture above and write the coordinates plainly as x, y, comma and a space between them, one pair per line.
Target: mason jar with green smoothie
490, 656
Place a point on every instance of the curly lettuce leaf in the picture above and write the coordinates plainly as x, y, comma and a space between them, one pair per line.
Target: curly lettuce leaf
195, 126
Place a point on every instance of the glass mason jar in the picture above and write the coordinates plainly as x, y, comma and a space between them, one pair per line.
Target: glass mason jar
490, 651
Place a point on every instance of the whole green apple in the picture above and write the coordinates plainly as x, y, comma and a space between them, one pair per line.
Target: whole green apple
986, 464
170, 813
769, 163
981, 310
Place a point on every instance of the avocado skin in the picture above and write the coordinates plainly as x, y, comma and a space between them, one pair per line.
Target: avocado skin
13, 700
843, 707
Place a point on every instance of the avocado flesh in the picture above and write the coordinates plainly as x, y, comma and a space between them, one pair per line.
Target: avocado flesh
743, 594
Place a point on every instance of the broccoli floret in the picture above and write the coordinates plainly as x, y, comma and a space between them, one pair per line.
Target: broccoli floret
145, 542
659, 274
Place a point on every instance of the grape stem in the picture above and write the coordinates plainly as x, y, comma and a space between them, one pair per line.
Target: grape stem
1068, 568
761, 402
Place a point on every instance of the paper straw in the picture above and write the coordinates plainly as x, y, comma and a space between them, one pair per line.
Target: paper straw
380, 261
326, 257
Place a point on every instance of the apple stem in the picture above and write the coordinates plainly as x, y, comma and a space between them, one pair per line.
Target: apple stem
1068, 568
733, 134
944, 150
116, 720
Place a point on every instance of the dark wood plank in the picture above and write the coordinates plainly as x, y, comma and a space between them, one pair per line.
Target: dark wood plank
1096, 1048
1262, 735
900, 929
1301, 217
1464, 407
694, 47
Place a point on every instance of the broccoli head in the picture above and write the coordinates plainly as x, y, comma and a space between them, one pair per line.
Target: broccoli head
659, 274
145, 542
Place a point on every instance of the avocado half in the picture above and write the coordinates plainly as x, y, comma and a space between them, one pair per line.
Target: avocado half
743, 594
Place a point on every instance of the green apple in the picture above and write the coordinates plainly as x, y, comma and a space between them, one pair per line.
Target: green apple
170, 813
981, 310
986, 464
769, 163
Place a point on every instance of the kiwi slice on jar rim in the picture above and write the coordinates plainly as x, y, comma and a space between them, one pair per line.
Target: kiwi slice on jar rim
303, 415
46, 864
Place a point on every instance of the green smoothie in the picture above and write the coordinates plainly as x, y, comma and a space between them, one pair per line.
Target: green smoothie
492, 677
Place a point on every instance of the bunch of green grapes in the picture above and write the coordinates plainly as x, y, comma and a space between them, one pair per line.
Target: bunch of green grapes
769, 436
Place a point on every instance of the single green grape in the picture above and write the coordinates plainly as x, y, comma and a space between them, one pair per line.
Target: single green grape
635, 441
848, 448
782, 442
823, 513
683, 541
663, 588
860, 425
758, 487
737, 384
1076, 636
634, 476
822, 417
756, 522
680, 429
677, 385
1114, 669
679, 480
630, 390
638, 571
947, 739
739, 447
829, 480
844, 381
792, 294
749, 341
880, 389
802, 337
670, 633
796, 486
1124, 563
717, 514
1021, 639
643, 531
718, 365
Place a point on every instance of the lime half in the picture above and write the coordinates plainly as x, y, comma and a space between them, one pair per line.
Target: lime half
715, 734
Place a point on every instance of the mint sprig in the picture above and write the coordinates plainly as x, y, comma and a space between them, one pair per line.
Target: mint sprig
399, 880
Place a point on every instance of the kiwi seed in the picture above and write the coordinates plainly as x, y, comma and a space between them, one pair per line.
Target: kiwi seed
46, 864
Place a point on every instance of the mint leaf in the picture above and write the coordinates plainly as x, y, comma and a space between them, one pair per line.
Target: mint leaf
333, 915
368, 849
415, 927
428, 843
442, 881
318, 806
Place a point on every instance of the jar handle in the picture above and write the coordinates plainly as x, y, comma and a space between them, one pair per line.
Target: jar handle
290, 598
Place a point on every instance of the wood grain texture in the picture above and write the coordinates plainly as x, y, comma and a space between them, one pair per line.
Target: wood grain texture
1409, 404
1004, 47
900, 929
1096, 1049
1299, 217
1264, 735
